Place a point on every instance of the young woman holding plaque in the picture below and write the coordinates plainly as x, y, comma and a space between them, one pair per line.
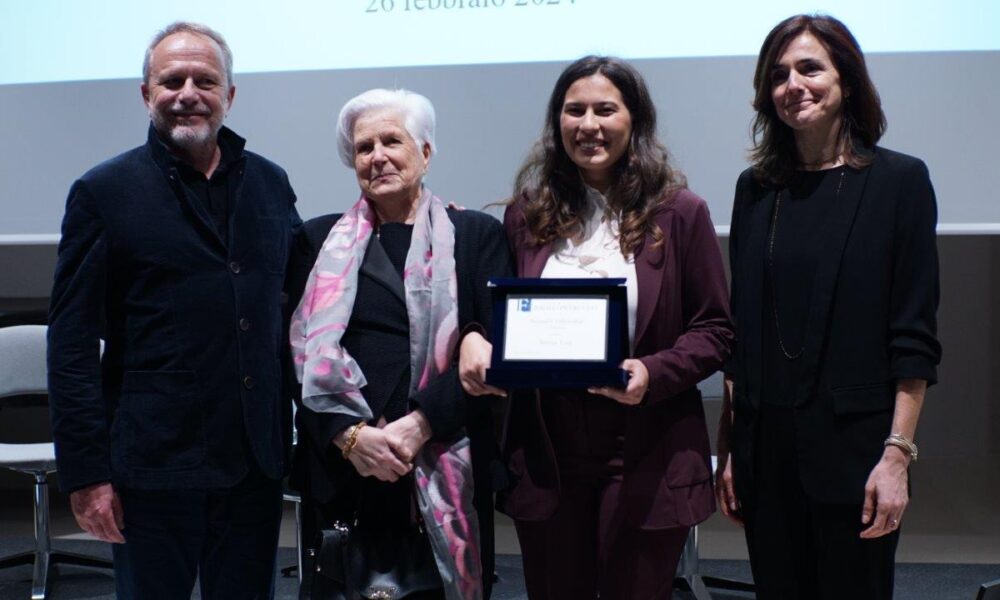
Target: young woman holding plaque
606, 482
835, 288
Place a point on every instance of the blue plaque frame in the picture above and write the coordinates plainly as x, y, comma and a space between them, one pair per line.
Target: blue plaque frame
560, 374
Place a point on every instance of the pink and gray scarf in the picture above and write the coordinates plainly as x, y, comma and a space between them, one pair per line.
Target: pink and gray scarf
332, 380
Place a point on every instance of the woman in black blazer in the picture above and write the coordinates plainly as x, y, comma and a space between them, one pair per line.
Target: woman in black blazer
834, 294
359, 447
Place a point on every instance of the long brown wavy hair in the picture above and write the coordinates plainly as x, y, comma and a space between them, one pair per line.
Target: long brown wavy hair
550, 183
775, 157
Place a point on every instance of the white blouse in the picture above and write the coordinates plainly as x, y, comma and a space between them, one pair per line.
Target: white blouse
596, 253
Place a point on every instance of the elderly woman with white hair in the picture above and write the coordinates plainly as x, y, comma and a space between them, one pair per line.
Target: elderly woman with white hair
389, 445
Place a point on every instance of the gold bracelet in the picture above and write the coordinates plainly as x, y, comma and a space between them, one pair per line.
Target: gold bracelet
352, 439
899, 440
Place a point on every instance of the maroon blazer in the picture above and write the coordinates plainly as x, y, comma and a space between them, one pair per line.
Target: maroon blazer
682, 335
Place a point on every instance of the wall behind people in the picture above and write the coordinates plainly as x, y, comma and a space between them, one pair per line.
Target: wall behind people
488, 117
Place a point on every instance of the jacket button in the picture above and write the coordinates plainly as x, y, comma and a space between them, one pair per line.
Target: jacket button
235, 266
244, 324
249, 382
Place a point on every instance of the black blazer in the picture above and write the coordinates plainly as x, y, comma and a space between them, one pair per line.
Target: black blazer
480, 254
191, 373
871, 322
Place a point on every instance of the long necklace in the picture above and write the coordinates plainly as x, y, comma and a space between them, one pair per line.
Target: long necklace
770, 262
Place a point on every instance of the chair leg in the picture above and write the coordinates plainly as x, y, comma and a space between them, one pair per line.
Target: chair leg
687, 577
728, 584
43, 544
17, 560
689, 557
43, 538
40, 576
43, 558
79, 560
298, 538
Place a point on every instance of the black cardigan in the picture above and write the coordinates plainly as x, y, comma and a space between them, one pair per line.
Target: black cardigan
480, 254
319, 472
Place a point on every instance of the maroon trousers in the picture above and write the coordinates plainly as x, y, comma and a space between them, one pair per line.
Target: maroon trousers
586, 547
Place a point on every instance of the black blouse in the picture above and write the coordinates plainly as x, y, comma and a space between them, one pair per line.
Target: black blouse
376, 341
792, 252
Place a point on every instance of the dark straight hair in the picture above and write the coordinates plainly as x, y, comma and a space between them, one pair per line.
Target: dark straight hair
775, 157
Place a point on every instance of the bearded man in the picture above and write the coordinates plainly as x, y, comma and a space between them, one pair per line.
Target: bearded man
173, 442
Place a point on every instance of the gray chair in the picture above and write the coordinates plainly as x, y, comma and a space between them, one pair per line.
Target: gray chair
688, 577
23, 378
989, 590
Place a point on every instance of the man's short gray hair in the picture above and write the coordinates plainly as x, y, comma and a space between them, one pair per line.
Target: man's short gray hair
197, 29
416, 110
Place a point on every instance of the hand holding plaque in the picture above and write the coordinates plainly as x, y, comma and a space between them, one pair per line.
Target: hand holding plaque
636, 388
473, 360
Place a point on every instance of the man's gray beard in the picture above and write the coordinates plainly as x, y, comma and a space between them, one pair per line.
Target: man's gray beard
186, 139
192, 140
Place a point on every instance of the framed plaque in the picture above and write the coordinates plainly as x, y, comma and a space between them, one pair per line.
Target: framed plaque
558, 333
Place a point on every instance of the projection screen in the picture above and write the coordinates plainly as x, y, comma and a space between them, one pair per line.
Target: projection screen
70, 74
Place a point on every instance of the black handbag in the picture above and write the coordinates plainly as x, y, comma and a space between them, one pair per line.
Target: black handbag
357, 563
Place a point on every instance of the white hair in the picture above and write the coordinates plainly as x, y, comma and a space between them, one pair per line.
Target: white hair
416, 110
